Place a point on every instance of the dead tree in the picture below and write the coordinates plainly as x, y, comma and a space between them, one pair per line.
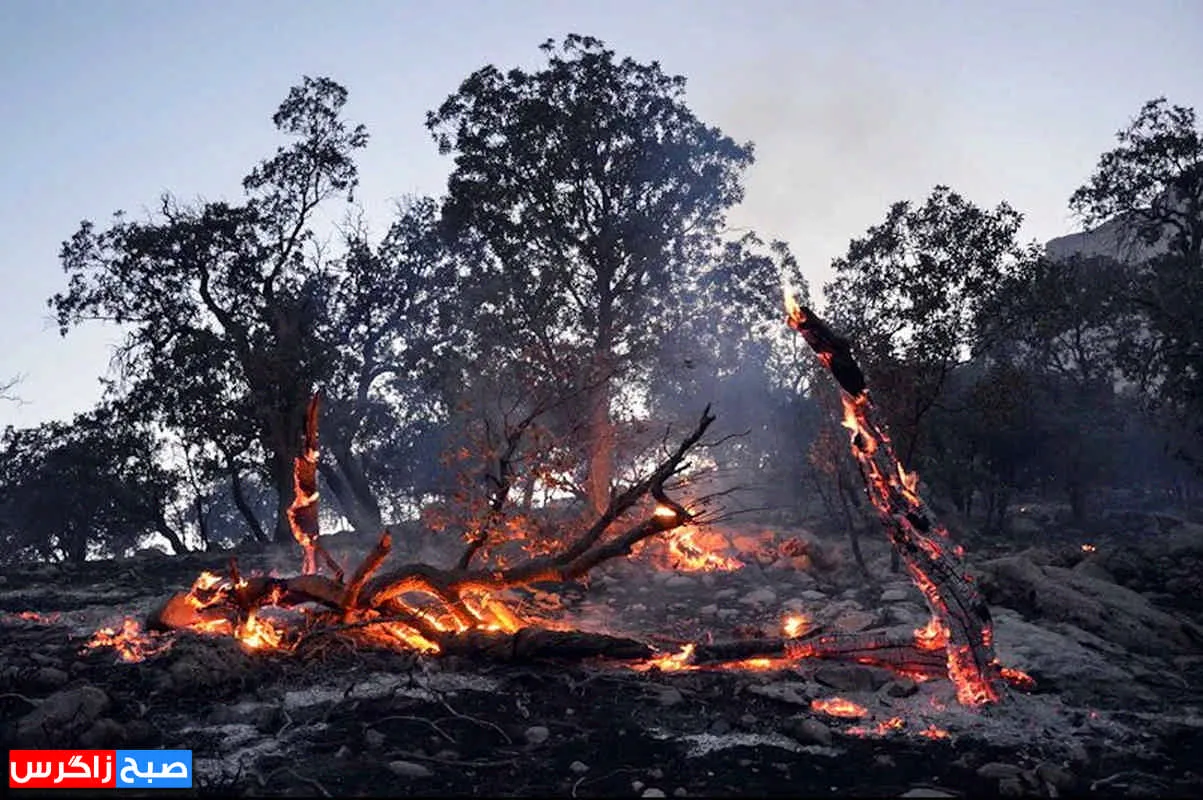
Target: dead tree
959, 613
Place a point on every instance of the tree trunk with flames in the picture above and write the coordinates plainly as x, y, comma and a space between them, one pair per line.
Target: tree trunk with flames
960, 617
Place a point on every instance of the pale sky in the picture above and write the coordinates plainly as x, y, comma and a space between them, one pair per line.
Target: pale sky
852, 105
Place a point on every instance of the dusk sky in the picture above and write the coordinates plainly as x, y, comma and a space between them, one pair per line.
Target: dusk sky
851, 105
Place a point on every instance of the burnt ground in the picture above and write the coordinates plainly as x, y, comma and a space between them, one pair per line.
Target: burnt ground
1106, 718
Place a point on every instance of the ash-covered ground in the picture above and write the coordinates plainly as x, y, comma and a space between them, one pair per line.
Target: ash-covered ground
1112, 638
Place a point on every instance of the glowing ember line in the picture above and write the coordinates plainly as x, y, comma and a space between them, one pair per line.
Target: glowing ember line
839, 707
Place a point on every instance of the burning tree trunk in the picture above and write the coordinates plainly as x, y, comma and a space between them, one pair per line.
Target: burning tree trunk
960, 617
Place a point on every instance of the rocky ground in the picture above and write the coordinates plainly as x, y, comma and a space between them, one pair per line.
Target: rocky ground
1111, 637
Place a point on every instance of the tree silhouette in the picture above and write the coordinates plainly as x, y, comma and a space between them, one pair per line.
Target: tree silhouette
592, 187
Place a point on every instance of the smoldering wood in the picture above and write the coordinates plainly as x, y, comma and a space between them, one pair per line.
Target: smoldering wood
913, 532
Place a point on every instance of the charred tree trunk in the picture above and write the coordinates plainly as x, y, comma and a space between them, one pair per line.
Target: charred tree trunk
959, 613
363, 513
244, 507
169, 533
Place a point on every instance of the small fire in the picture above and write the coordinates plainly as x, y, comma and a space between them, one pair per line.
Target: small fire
670, 662
131, 643
258, 634
839, 707
882, 728
689, 554
33, 616
1018, 678
1088, 548
932, 636
932, 732
794, 625
665, 512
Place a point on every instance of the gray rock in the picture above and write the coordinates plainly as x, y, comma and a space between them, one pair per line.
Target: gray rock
1056, 776
807, 730
373, 738
902, 687
578, 767
669, 696
1011, 787
999, 771
853, 677
50, 678
727, 614
105, 734
63, 716
759, 597
926, 791
680, 582
813, 595
537, 734
408, 769
652, 791
708, 611
894, 595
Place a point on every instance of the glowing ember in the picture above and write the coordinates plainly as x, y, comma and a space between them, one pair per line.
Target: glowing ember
131, 643
1018, 678
882, 728
839, 707
665, 512
794, 625
1088, 548
759, 664
932, 732
670, 662
932, 636
33, 616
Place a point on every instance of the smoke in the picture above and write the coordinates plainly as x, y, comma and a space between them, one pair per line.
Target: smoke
838, 139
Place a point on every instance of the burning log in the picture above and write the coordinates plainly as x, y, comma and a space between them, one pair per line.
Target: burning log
457, 612
960, 617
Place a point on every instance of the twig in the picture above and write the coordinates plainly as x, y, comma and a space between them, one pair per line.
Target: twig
310, 781
34, 703
484, 723
451, 762
409, 718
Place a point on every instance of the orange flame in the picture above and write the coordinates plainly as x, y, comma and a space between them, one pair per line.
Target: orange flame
932, 636
257, 634
882, 728
794, 625
688, 553
1018, 678
131, 643
670, 662
839, 707
932, 732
